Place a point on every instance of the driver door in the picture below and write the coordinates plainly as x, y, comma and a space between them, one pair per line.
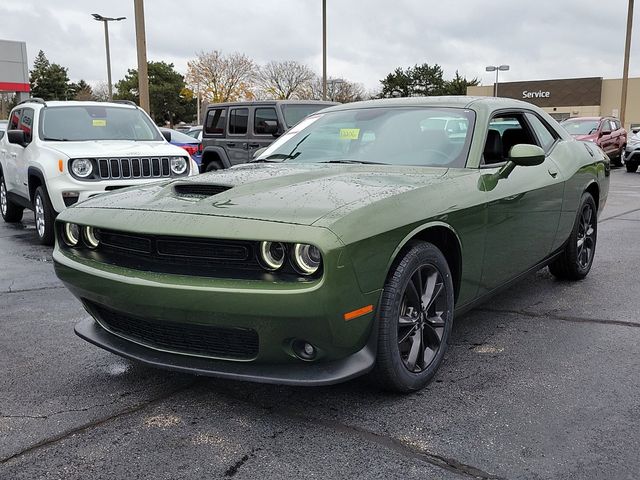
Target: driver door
523, 208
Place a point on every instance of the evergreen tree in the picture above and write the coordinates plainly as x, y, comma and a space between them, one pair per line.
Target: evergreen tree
49, 81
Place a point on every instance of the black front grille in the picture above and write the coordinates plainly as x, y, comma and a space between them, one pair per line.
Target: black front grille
189, 338
118, 168
199, 189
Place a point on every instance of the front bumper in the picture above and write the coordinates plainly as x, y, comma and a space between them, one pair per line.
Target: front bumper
278, 311
307, 374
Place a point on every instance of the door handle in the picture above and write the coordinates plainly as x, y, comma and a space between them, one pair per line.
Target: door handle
553, 172
232, 145
14, 155
254, 145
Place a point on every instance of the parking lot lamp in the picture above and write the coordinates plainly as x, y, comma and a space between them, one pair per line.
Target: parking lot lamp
625, 69
497, 69
106, 21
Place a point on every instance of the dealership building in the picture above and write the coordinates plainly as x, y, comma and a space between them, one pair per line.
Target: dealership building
573, 97
14, 72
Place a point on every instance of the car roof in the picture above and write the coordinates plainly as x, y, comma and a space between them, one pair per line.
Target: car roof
586, 118
460, 101
78, 103
273, 102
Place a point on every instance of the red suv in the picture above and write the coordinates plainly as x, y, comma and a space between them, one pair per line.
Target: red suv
606, 132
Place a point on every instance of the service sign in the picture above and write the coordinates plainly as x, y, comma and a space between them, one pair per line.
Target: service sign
555, 93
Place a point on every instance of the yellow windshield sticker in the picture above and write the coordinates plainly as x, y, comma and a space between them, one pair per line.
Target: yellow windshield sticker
99, 123
349, 133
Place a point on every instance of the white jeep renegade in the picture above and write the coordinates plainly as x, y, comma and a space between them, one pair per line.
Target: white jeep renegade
55, 154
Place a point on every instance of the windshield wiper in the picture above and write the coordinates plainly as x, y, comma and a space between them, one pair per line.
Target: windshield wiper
355, 162
275, 158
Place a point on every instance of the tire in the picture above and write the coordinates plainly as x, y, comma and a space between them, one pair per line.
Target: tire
617, 160
11, 212
577, 256
44, 216
632, 167
213, 166
412, 339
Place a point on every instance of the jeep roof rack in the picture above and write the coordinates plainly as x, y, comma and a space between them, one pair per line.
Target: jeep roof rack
33, 100
126, 102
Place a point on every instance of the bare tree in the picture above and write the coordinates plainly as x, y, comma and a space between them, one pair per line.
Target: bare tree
221, 78
338, 90
284, 80
100, 92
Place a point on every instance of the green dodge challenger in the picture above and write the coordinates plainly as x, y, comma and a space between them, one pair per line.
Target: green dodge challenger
347, 247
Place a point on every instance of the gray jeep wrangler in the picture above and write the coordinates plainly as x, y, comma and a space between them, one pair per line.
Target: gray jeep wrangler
232, 132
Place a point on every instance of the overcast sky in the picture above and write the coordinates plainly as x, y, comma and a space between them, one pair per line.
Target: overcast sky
366, 38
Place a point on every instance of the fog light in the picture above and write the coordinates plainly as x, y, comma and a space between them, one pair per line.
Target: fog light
304, 350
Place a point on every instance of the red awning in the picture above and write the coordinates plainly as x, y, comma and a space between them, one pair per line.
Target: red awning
14, 87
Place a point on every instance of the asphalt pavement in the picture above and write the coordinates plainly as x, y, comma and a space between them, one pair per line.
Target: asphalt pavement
541, 382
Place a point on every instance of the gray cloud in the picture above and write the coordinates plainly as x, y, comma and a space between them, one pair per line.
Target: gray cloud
367, 39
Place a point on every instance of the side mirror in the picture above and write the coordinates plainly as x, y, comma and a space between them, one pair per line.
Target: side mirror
270, 127
166, 135
17, 136
526, 155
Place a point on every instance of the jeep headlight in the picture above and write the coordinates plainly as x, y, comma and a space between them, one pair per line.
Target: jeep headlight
178, 165
306, 258
82, 167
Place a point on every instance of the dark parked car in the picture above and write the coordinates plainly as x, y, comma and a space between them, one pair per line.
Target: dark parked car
606, 132
234, 131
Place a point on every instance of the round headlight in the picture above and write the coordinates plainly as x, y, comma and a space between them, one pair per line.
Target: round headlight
82, 167
306, 258
272, 255
178, 165
71, 234
91, 237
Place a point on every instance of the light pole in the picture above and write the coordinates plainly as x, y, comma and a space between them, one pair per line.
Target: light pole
497, 68
324, 49
106, 21
141, 47
625, 68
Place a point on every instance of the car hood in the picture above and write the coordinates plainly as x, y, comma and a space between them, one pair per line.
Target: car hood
114, 148
297, 194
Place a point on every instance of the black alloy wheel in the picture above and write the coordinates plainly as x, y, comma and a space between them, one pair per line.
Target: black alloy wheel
414, 318
577, 257
420, 323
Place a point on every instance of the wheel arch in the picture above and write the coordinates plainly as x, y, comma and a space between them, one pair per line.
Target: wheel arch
213, 154
443, 236
36, 179
594, 190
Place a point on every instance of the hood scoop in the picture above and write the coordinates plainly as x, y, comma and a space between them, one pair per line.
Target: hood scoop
200, 190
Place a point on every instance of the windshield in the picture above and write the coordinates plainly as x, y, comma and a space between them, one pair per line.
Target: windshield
96, 122
294, 113
387, 135
581, 127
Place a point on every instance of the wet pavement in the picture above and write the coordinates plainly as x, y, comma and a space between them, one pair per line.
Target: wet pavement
542, 382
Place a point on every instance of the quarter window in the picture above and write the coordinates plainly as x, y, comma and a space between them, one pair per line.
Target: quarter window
215, 122
238, 118
15, 120
26, 123
260, 119
545, 137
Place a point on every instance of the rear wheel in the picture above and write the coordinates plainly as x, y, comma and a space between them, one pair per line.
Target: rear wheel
415, 319
213, 166
44, 216
577, 257
11, 212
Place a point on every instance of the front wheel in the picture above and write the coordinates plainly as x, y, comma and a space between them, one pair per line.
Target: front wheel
11, 212
632, 167
414, 320
575, 261
44, 216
